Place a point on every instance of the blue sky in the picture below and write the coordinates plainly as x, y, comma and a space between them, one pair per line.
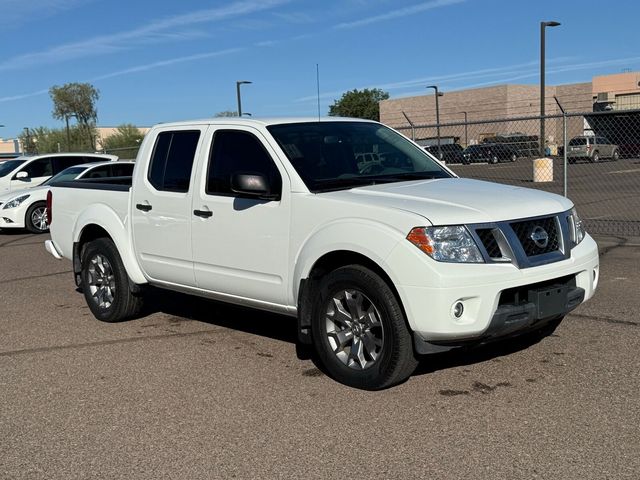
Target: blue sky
165, 61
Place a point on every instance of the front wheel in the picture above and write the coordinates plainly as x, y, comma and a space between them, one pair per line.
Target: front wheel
105, 283
513, 157
359, 330
494, 160
36, 218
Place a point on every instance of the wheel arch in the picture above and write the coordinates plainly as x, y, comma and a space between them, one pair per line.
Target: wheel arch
326, 263
104, 223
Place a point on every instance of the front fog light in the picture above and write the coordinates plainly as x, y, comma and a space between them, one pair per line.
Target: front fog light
458, 309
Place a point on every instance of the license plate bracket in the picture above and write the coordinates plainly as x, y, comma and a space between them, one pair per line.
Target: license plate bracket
550, 301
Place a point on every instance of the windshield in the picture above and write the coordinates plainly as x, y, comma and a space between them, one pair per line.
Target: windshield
342, 155
9, 166
67, 174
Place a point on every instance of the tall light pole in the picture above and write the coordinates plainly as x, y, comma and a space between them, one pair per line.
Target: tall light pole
238, 83
543, 25
466, 132
438, 94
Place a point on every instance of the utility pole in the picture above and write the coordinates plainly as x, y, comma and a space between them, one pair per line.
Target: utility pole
543, 25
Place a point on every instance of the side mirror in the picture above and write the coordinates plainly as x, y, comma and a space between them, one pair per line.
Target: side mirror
22, 175
252, 185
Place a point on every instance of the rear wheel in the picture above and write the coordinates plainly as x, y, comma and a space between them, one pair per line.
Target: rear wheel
513, 157
359, 330
595, 158
105, 283
36, 218
493, 159
615, 156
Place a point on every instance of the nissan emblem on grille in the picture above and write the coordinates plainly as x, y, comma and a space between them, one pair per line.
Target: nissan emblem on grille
540, 237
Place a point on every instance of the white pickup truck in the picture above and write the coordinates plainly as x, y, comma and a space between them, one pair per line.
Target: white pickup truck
381, 261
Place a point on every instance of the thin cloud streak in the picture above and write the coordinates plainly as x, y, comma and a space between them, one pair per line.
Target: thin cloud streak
22, 96
400, 12
503, 74
153, 32
167, 63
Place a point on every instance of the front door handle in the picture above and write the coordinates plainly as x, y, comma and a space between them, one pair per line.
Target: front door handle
145, 207
203, 213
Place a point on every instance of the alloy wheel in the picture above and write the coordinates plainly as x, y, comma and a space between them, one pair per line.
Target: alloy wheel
354, 329
101, 281
39, 219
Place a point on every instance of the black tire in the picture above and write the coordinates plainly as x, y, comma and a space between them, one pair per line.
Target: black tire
103, 267
493, 160
595, 158
513, 157
615, 156
394, 362
36, 218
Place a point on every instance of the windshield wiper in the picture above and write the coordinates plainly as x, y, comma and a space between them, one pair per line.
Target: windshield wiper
413, 176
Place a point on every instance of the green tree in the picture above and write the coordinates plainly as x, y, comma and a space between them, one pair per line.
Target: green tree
125, 142
227, 113
359, 104
52, 140
76, 100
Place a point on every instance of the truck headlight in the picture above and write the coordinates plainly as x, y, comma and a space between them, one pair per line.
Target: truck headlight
576, 228
13, 203
446, 244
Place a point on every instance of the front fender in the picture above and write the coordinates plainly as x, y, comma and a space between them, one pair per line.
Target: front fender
107, 219
365, 237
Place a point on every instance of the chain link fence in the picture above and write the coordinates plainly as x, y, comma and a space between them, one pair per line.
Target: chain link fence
593, 158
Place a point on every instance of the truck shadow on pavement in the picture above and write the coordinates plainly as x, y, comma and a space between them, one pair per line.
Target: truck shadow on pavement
184, 307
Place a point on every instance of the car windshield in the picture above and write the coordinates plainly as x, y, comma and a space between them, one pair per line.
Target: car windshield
577, 141
67, 174
9, 166
333, 155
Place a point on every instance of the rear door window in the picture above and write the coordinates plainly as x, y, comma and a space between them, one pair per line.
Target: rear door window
172, 160
121, 169
62, 163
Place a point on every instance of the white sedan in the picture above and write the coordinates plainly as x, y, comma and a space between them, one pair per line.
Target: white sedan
27, 208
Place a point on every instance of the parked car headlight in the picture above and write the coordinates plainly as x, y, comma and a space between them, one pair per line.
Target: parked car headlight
576, 228
13, 203
446, 244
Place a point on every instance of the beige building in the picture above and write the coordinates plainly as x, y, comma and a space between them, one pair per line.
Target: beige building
102, 133
490, 106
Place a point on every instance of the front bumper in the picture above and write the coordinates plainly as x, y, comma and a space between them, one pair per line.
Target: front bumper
429, 294
11, 218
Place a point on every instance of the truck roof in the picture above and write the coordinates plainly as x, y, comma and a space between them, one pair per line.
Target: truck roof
258, 121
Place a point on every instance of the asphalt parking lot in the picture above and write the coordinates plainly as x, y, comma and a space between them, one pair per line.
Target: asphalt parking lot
607, 193
196, 389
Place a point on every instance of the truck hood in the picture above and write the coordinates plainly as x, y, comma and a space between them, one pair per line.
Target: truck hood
454, 201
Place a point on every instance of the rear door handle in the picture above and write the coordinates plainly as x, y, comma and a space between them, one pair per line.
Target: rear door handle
203, 213
145, 207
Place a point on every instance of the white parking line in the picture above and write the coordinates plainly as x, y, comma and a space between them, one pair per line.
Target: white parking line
626, 171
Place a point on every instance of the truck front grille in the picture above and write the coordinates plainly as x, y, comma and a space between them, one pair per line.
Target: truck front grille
489, 242
538, 236
525, 243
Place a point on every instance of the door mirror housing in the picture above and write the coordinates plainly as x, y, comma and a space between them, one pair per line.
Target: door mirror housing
22, 175
252, 185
